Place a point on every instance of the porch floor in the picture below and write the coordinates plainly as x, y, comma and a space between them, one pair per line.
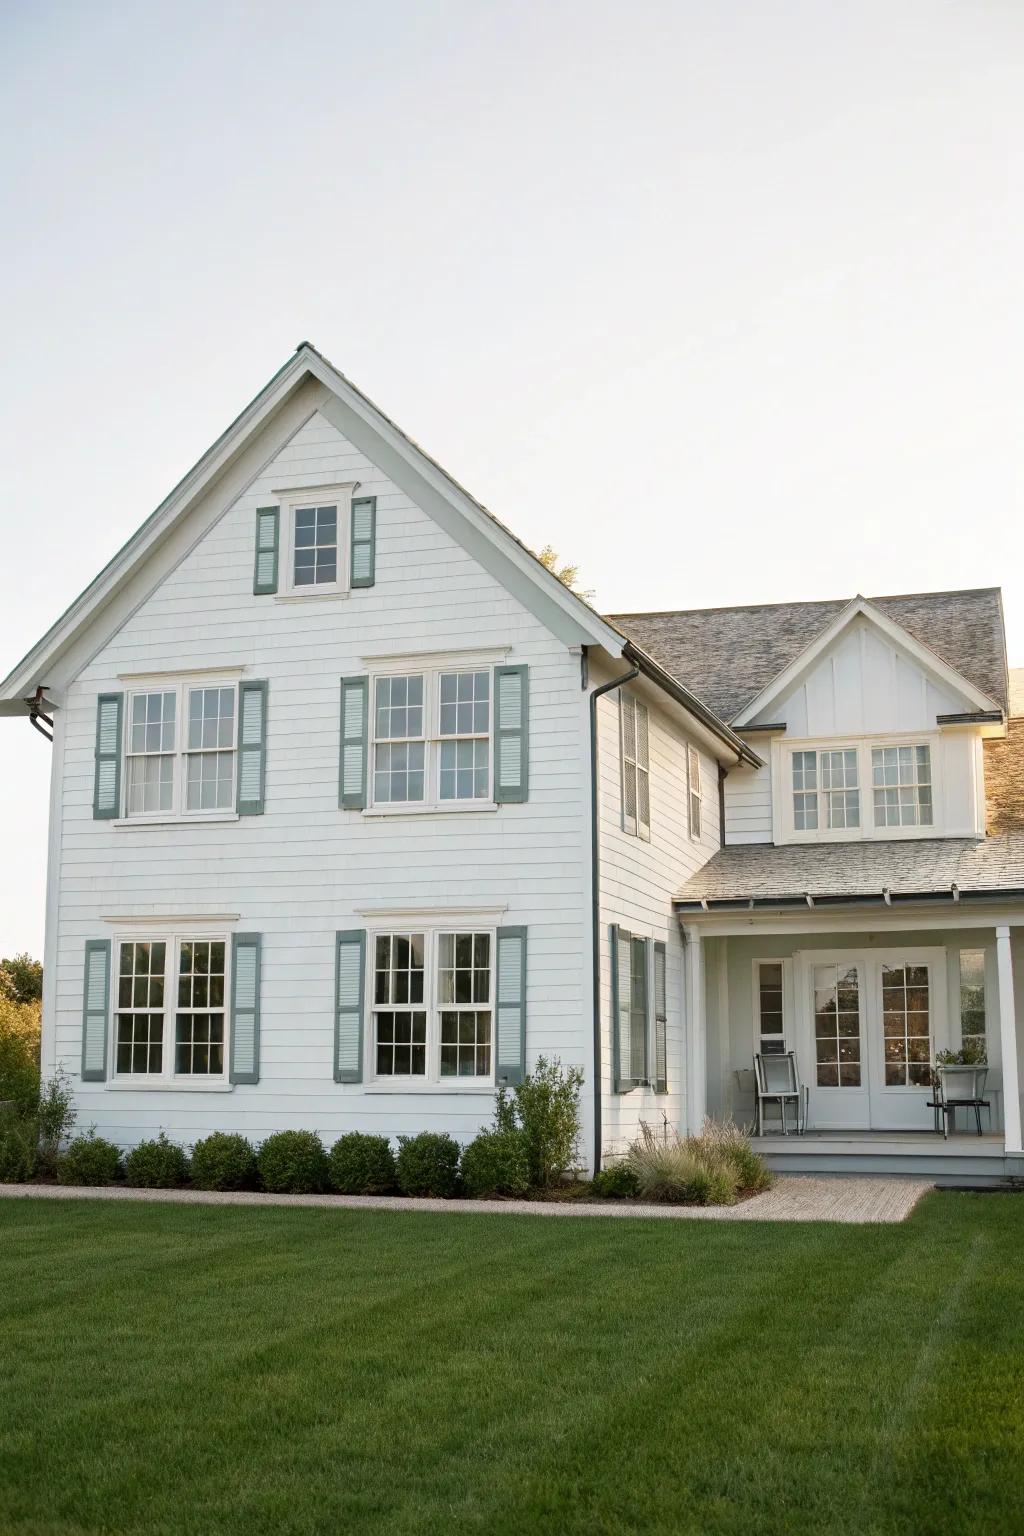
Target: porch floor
962, 1159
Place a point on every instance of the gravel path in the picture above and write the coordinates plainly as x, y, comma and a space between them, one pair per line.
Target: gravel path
792, 1199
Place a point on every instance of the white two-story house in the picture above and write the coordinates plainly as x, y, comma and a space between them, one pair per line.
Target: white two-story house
356, 811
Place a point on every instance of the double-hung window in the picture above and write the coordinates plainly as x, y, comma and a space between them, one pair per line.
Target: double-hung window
315, 537
170, 1008
180, 749
432, 737
902, 781
433, 1005
825, 790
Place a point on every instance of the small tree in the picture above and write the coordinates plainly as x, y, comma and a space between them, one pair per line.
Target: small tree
21, 979
545, 1107
568, 575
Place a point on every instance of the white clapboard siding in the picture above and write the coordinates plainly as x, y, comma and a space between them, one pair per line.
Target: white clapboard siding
638, 881
748, 801
304, 869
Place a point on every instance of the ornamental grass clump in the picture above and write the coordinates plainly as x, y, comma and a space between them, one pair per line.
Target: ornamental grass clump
362, 1165
721, 1142
714, 1168
157, 1164
224, 1161
293, 1163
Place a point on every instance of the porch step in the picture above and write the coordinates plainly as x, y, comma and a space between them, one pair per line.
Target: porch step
977, 1162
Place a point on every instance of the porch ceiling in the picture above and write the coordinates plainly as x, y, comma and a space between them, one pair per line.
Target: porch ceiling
921, 868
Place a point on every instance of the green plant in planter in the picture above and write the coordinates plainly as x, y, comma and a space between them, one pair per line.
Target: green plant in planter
970, 1055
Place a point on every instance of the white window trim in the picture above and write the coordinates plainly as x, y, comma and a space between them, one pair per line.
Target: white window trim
431, 804
783, 828
432, 1082
167, 1079
179, 684
787, 997
315, 495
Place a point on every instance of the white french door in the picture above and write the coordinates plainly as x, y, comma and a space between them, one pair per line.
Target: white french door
872, 1022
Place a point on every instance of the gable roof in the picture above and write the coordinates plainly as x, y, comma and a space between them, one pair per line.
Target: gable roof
729, 656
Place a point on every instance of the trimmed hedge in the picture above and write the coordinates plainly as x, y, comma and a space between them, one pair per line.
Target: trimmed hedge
428, 1164
362, 1165
293, 1163
156, 1164
616, 1182
224, 1161
89, 1160
496, 1163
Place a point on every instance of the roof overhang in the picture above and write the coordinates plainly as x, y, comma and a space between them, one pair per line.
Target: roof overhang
693, 908
723, 733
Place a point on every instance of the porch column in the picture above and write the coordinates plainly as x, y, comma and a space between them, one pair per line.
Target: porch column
1008, 1040
696, 1031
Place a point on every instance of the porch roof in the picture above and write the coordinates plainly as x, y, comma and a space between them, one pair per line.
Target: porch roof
921, 868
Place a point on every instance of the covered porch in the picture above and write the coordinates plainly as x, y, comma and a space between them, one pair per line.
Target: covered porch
866, 993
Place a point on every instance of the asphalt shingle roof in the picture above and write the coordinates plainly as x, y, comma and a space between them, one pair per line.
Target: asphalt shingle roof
763, 871
727, 655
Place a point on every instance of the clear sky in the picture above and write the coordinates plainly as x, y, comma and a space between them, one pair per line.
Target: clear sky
722, 299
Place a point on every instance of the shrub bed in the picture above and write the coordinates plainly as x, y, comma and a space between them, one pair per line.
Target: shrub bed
362, 1165
224, 1161
714, 1168
156, 1164
428, 1164
89, 1160
293, 1163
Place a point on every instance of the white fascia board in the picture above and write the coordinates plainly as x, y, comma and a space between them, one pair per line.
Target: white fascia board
922, 654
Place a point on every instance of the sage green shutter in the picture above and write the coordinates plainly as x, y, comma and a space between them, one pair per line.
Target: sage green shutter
106, 793
622, 1056
638, 1025
511, 734
245, 1008
95, 1010
252, 748
349, 986
364, 541
268, 529
510, 1060
660, 1019
355, 692
627, 760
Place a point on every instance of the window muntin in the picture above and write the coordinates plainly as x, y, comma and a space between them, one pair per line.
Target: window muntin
170, 1019
634, 731
972, 999
837, 1026
432, 737
901, 778
805, 791
693, 777
433, 1005
825, 789
315, 545
771, 1026
906, 1026
180, 748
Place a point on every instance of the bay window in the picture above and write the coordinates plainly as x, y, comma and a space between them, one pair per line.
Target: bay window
433, 1005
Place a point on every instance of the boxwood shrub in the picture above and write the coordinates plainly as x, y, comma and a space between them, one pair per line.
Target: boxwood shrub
496, 1163
362, 1165
89, 1160
224, 1161
156, 1164
616, 1182
293, 1163
428, 1164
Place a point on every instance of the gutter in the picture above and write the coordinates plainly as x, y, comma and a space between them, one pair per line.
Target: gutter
646, 664
595, 897
954, 895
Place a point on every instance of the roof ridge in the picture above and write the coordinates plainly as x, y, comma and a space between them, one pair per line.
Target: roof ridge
801, 602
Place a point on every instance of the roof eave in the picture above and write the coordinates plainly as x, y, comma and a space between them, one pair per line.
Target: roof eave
670, 685
810, 902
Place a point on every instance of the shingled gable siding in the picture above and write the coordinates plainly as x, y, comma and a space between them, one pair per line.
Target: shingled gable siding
304, 869
638, 881
1004, 780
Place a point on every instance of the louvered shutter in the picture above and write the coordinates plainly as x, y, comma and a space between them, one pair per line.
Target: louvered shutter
95, 1010
511, 734
106, 793
622, 1057
660, 1019
638, 1024
363, 541
511, 1006
643, 772
354, 737
252, 748
349, 982
268, 523
245, 1008
627, 760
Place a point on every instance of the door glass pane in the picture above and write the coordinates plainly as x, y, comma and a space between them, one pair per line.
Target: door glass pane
837, 1026
906, 1026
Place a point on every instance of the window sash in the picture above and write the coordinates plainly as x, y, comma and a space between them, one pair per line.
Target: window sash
438, 758
441, 1032
212, 1018
160, 782
973, 1012
770, 1006
693, 790
302, 534
869, 788
901, 778
634, 730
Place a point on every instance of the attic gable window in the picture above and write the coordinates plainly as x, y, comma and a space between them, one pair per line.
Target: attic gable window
326, 541
315, 546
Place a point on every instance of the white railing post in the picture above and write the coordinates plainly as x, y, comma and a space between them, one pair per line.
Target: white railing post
1008, 1041
696, 1032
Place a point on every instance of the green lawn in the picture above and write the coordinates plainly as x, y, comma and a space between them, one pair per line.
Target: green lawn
205, 1370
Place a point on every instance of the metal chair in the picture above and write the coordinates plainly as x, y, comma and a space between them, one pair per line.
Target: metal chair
776, 1080
958, 1087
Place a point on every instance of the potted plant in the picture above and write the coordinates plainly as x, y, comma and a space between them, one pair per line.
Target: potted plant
961, 1074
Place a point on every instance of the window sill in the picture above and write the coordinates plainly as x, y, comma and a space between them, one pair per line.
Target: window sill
463, 808
166, 1085
428, 1089
311, 597
220, 819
